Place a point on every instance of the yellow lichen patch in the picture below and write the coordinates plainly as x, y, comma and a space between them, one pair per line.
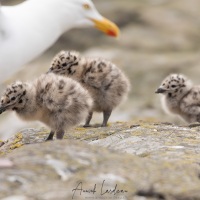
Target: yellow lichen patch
14, 146
120, 122
148, 126
17, 142
2, 153
78, 134
19, 136
171, 143
137, 133
146, 154
102, 135
43, 132
80, 129
191, 141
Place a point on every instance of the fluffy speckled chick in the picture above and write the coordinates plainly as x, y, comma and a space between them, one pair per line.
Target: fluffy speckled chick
57, 101
181, 97
106, 83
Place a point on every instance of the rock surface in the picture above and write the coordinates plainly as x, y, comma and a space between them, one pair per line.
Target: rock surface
146, 160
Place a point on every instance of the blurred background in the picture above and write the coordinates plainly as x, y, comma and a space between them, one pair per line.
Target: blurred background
158, 37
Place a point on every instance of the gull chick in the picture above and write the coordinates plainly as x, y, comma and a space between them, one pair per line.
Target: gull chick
105, 82
59, 102
181, 97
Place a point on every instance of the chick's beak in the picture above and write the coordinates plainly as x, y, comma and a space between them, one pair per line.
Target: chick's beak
49, 71
107, 27
2, 109
160, 90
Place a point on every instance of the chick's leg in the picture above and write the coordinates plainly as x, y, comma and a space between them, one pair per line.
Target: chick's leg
60, 134
106, 115
50, 137
89, 117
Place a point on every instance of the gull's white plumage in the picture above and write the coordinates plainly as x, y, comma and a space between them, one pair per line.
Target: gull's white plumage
29, 28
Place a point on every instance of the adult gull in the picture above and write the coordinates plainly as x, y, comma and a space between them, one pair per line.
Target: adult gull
31, 27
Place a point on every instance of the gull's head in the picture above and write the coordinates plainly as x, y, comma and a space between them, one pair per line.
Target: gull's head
68, 63
174, 84
13, 97
85, 14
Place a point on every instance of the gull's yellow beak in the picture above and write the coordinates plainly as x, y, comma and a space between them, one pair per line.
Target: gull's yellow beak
107, 27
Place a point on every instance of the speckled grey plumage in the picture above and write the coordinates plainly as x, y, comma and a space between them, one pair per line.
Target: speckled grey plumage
181, 97
57, 101
106, 83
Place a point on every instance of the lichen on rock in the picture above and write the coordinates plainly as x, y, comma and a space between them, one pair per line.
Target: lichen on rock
145, 159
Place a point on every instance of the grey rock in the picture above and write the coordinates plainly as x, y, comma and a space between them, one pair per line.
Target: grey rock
149, 161
17, 197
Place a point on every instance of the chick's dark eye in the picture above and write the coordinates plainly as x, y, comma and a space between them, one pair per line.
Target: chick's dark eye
13, 98
173, 86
